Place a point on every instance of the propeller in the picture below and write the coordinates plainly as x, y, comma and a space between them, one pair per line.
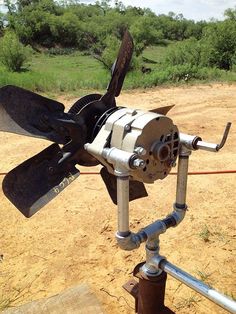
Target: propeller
26, 113
120, 68
35, 182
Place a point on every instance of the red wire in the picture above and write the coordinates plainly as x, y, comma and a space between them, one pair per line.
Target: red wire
175, 173
172, 173
207, 172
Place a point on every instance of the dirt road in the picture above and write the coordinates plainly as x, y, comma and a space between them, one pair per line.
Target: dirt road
72, 240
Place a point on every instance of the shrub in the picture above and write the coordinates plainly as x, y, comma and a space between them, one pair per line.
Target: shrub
185, 52
109, 55
13, 54
220, 42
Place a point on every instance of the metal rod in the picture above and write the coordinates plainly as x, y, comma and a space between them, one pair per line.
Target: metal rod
182, 178
210, 147
198, 286
225, 135
123, 205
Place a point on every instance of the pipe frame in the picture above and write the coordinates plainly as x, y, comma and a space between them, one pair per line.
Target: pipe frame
128, 240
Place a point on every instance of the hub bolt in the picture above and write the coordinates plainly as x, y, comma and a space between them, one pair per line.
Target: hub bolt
139, 163
140, 151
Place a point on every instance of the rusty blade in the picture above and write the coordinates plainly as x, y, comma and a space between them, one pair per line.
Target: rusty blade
38, 180
162, 110
21, 112
120, 67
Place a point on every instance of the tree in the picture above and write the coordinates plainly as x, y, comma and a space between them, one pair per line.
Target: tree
220, 43
230, 14
145, 32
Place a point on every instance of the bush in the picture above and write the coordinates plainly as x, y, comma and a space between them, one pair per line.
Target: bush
110, 53
220, 42
13, 54
217, 48
185, 52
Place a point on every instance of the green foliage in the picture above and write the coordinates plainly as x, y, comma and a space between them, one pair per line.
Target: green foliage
50, 23
220, 42
184, 52
145, 32
1, 23
217, 48
230, 14
75, 72
109, 54
13, 54
57, 51
174, 49
61, 73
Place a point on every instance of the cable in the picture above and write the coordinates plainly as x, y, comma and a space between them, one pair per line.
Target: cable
207, 172
190, 173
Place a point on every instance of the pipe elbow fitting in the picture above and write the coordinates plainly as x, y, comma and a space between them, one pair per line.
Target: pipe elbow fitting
179, 214
130, 242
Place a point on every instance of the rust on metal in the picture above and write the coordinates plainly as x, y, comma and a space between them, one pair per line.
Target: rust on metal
149, 293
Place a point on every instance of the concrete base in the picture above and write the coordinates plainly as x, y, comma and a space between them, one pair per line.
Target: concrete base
78, 300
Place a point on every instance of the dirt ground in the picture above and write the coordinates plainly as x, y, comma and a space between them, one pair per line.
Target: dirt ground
71, 240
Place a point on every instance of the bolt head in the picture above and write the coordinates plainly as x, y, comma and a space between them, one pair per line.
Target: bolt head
127, 127
139, 163
140, 151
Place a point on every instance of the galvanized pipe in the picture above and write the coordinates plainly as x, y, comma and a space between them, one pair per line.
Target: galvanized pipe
182, 179
123, 205
210, 147
189, 141
197, 285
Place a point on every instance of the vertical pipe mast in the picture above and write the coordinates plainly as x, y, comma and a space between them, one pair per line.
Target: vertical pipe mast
182, 178
123, 205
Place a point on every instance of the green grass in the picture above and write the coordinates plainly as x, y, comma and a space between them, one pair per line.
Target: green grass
156, 53
59, 73
71, 73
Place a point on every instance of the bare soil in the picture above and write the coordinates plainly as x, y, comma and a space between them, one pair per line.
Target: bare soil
71, 240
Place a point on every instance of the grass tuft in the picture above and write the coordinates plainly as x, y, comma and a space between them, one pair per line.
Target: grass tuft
189, 302
205, 234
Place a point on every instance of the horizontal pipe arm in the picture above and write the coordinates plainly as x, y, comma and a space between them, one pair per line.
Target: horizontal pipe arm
197, 285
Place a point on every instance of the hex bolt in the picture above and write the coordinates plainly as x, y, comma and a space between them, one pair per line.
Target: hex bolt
139, 163
140, 151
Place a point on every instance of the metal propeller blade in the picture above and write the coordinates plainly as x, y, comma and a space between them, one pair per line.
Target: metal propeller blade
35, 182
162, 110
24, 112
136, 189
120, 68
